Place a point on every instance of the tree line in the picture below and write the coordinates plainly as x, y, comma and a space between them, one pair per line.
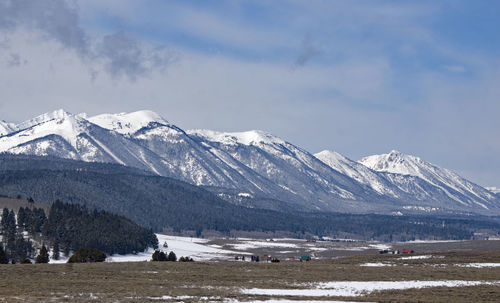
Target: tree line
69, 227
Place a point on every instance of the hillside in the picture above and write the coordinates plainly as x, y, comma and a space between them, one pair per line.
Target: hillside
64, 228
163, 203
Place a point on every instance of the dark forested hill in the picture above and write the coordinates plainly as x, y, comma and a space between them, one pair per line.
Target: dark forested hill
68, 227
160, 202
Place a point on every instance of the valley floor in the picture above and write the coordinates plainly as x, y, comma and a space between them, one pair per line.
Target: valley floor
226, 249
461, 276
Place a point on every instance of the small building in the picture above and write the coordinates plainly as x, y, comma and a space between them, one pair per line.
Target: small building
291, 259
408, 251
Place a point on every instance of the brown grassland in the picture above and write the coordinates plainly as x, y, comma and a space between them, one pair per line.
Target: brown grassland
217, 281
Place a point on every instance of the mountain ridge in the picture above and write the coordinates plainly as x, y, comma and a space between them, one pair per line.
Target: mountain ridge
253, 162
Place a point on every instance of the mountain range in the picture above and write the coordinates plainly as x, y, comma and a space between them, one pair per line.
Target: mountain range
243, 167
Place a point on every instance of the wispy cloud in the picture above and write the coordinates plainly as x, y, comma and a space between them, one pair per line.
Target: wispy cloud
307, 51
119, 53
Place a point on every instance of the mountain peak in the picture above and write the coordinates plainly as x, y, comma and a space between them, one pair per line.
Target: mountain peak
395, 153
59, 114
128, 123
58, 122
329, 155
395, 162
246, 138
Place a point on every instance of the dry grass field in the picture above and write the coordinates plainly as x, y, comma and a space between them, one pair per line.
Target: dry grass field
227, 281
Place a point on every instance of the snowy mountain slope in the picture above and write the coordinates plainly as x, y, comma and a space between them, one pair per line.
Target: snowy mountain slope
64, 135
290, 167
405, 188
128, 123
495, 190
6, 128
455, 187
358, 172
141, 139
192, 160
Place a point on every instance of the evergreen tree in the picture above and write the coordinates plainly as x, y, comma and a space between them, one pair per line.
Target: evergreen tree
21, 219
23, 248
43, 255
159, 256
155, 256
171, 257
4, 223
3, 256
84, 255
55, 250
10, 235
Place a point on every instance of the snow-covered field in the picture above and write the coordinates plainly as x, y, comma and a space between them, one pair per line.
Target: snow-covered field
479, 265
359, 288
195, 248
283, 248
226, 249
377, 264
416, 257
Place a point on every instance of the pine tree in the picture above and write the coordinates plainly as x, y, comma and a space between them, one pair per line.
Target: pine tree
155, 256
23, 248
84, 255
55, 250
4, 225
10, 234
159, 256
171, 257
43, 255
3, 256
21, 219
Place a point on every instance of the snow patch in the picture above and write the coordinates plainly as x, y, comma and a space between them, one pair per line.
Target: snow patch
195, 248
232, 138
479, 265
359, 288
127, 123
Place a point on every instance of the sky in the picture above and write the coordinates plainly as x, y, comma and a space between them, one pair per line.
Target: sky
357, 77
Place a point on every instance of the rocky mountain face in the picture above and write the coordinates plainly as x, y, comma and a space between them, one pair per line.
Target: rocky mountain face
250, 165
452, 185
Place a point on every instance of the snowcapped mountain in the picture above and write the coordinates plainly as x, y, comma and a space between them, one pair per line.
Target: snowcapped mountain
64, 135
253, 163
293, 169
412, 190
454, 186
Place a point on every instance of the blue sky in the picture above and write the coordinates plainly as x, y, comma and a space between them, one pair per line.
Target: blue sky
358, 77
